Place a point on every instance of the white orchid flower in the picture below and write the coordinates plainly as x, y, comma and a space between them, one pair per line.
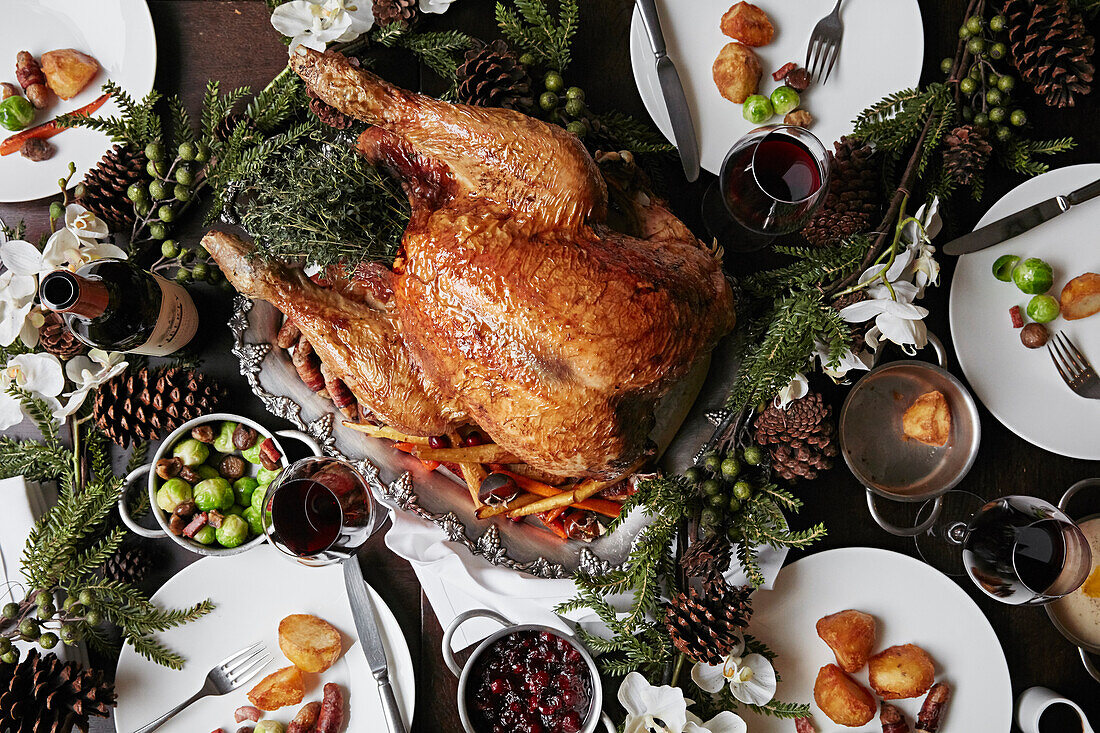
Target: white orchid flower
88, 373
435, 6
651, 709
798, 388
84, 224
18, 317
895, 320
76, 244
849, 360
316, 23
923, 270
751, 677
39, 374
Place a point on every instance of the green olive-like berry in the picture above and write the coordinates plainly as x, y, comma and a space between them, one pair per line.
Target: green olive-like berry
199, 271
137, 193
710, 487
169, 249
77, 610
974, 24
1018, 118
734, 504
578, 128
48, 640
70, 601
976, 46
717, 501
10, 610
574, 107
157, 230
93, 618
70, 634
947, 65
182, 275
43, 598
734, 534
694, 474
29, 628
998, 51
981, 119
998, 23
1006, 83
968, 86
553, 81
712, 462
143, 208
187, 151
708, 517
45, 612
975, 72
154, 151
1003, 134
182, 193
753, 455
10, 657
57, 211
574, 93
528, 59
994, 96
742, 490
87, 597
185, 176
214, 276
548, 101
731, 467
968, 113
998, 114
964, 32
167, 213
158, 190
187, 255
202, 153
5, 645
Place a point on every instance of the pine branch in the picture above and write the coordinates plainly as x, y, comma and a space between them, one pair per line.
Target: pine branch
441, 51
39, 411
533, 28
180, 129
630, 134
154, 651
34, 461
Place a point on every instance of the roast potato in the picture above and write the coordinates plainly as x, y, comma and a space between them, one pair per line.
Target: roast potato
749, 24
928, 419
851, 636
311, 643
901, 672
737, 72
280, 688
68, 71
1081, 297
842, 699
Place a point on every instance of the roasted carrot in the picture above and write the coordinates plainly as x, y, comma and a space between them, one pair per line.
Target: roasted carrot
46, 129
557, 528
601, 506
410, 448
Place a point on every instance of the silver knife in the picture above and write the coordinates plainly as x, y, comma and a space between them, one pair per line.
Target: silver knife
1018, 223
362, 610
683, 128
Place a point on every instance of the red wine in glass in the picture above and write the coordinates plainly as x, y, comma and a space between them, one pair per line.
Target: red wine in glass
771, 183
306, 516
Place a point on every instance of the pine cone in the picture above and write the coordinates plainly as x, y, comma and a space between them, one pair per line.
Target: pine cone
149, 404
328, 114
131, 563
1051, 48
224, 129
707, 558
800, 439
854, 196
404, 12
966, 152
706, 626
492, 76
105, 186
43, 695
57, 339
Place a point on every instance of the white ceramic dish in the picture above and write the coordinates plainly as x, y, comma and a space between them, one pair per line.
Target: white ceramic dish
253, 591
882, 53
1020, 386
118, 33
912, 603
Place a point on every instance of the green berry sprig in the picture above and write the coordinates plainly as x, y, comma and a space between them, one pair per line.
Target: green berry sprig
38, 620
172, 188
726, 482
563, 105
986, 84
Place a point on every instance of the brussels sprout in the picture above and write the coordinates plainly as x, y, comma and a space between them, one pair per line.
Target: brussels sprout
252, 455
233, 532
243, 488
757, 109
258, 498
236, 509
172, 493
206, 535
268, 726
1033, 276
206, 471
191, 452
1043, 308
1003, 267
213, 493
255, 522
265, 476
224, 440
785, 99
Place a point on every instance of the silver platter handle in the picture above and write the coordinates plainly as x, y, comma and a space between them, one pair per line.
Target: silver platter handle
893, 529
124, 510
448, 654
298, 435
1072, 490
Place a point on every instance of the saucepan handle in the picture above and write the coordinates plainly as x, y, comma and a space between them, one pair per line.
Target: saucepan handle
1082, 484
893, 529
934, 342
607, 723
124, 509
448, 654
298, 435
1090, 667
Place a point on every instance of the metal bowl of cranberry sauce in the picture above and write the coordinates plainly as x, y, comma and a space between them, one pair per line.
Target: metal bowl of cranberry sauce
526, 679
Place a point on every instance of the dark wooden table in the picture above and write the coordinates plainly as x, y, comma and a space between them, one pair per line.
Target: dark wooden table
233, 42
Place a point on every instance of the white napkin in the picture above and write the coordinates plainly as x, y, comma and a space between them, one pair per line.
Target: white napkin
456, 581
24, 503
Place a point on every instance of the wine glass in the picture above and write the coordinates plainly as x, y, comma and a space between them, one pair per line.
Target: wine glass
1018, 549
319, 510
771, 182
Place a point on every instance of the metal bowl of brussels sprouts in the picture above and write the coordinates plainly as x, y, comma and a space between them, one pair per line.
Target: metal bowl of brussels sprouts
206, 480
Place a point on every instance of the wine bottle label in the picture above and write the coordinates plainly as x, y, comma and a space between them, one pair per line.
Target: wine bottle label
177, 323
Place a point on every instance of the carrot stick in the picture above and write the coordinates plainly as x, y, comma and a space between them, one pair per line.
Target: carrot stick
386, 432
485, 511
579, 492
601, 506
46, 129
557, 528
554, 514
410, 448
473, 474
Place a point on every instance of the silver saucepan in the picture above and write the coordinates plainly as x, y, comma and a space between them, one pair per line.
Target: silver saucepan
1084, 648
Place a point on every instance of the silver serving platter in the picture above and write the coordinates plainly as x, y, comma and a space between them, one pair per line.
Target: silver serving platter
685, 422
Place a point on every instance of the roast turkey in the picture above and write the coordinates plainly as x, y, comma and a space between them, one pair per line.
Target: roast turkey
513, 304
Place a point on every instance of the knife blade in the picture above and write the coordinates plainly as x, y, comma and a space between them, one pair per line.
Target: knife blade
370, 639
1016, 224
679, 113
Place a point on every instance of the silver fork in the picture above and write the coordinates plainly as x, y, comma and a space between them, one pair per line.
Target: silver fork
231, 673
824, 46
1074, 367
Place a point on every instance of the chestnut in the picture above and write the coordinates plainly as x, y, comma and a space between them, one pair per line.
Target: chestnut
189, 475
1034, 335
232, 467
176, 524
186, 509
244, 437
169, 467
203, 433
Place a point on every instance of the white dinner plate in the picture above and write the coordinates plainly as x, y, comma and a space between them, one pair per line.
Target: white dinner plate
882, 53
118, 34
1020, 386
253, 591
911, 603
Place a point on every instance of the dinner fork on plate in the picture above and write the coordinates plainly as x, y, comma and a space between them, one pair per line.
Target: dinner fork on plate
824, 48
231, 673
1075, 369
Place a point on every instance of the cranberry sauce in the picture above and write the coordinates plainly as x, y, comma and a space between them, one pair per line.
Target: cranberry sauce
529, 682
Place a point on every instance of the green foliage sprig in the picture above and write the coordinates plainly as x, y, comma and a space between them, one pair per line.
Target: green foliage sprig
68, 545
533, 28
